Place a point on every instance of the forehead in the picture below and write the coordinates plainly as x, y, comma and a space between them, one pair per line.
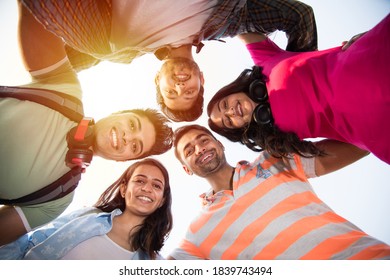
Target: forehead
149, 170
180, 103
190, 137
147, 133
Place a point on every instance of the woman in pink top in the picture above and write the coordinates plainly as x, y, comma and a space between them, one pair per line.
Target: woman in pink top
287, 97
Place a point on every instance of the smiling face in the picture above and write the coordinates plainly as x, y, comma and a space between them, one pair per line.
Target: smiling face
200, 153
179, 81
123, 136
233, 111
144, 192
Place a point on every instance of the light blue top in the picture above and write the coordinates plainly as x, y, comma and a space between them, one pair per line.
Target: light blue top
57, 238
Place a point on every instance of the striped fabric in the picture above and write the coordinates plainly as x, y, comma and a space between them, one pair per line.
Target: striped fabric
85, 26
273, 213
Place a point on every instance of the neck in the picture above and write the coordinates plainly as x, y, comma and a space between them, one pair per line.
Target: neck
182, 51
128, 220
121, 227
221, 180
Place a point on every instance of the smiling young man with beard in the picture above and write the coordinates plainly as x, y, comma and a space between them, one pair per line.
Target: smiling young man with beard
267, 209
34, 146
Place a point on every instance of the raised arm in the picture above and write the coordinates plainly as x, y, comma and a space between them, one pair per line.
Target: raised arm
248, 38
39, 47
293, 17
339, 155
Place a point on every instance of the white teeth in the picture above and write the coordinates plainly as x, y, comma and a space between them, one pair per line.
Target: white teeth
144, 198
205, 158
182, 77
239, 109
114, 138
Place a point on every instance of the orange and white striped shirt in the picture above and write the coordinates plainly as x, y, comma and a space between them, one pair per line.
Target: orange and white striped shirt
273, 213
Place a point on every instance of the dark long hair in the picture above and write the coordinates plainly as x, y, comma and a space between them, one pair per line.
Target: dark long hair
151, 235
255, 136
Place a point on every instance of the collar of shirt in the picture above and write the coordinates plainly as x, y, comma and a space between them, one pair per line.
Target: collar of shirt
210, 197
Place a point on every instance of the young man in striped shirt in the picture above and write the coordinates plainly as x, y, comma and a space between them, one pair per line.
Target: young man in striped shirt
267, 209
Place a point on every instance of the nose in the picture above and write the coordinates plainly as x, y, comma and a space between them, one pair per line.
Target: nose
230, 112
127, 138
199, 150
146, 187
180, 84
180, 87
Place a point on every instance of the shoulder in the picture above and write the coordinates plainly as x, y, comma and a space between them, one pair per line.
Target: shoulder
61, 77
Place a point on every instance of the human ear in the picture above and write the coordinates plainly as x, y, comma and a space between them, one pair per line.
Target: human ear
157, 79
161, 202
201, 77
187, 170
122, 190
220, 144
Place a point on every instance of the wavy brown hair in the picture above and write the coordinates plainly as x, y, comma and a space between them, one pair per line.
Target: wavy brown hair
255, 136
151, 235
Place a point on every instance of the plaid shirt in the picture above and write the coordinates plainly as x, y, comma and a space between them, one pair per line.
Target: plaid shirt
88, 43
264, 16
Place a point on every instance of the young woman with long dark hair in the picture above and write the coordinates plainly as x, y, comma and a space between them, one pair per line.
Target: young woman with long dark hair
130, 220
289, 97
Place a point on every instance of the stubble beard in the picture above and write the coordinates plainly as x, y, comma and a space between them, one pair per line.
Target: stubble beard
209, 168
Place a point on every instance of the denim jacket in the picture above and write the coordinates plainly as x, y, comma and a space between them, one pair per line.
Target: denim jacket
57, 238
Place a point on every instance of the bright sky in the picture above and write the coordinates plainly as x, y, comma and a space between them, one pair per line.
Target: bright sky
359, 192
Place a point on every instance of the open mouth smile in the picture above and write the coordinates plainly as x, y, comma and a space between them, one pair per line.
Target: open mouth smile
238, 110
114, 138
145, 198
205, 158
181, 77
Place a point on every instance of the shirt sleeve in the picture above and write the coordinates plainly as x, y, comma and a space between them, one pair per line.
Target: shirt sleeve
308, 165
262, 51
293, 17
59, 77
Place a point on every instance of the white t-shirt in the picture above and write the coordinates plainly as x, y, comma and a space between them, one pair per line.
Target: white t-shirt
99, 247
153, 24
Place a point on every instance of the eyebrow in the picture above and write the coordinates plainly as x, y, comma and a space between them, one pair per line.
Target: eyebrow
219, 104
219, 109
141, 144
138, 122
196, 138
144, 176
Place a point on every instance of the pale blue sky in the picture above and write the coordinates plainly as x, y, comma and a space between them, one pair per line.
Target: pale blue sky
359, 193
